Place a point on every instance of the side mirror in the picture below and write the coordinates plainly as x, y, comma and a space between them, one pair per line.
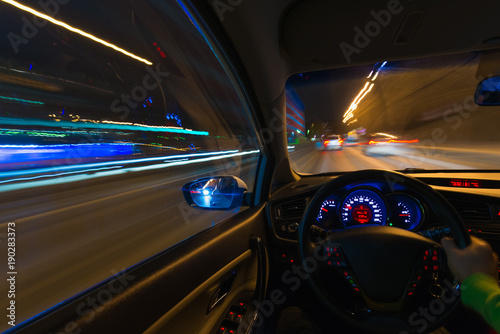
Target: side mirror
488, 92
215, 193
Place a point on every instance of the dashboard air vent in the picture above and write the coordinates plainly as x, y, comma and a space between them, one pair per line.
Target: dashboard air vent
472, 210
291, 209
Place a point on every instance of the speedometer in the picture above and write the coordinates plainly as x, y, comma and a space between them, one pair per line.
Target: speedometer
362, 207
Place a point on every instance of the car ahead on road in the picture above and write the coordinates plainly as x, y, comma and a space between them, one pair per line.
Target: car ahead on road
380, 144
333, 142
146, 184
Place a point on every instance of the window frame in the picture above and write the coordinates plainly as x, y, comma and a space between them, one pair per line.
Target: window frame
222, 48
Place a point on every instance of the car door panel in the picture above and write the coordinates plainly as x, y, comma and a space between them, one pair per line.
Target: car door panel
193, 314
169, 292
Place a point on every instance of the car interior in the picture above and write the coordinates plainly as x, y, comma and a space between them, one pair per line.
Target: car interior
292, 256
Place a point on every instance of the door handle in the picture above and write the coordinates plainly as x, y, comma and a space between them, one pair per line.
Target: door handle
222, 291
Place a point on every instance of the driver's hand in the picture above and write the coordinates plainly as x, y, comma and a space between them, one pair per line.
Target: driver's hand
478, 257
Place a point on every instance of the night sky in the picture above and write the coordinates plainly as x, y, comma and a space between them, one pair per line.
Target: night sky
328, 94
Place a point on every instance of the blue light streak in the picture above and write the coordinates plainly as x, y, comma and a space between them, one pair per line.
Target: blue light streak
83, 176
32, 153
59, 174
9, 174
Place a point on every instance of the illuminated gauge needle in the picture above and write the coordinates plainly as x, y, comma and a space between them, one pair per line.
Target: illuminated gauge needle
404, 215
324, 209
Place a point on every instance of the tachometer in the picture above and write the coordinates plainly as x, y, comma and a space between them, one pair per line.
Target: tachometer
327, 208
363, 207
327, 216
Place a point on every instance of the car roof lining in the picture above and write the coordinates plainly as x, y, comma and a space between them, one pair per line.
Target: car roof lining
302, 36
317, 30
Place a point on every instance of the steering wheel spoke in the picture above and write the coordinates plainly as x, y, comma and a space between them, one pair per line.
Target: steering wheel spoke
436, 233
318, 233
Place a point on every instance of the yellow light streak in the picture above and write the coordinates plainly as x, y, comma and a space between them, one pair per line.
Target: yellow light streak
369, 89
360, 93
363, 96
76, 30
354, 105
386, 134
349, 113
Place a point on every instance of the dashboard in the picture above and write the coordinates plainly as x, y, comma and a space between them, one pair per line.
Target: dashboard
372, 203
375, 202
365, 205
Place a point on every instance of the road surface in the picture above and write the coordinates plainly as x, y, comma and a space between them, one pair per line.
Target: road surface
77, 233
79, 227
306, 158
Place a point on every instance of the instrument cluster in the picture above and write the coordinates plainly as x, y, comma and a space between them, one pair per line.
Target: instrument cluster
367, 206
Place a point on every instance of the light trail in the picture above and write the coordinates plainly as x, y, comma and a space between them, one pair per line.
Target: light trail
76, 30
69, 177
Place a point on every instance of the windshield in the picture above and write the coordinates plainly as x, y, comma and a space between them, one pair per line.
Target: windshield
418, 113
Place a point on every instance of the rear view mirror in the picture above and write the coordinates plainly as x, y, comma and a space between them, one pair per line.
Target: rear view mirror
488, 92
215, 193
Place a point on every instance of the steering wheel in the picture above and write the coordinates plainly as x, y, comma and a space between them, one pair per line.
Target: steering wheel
382, 279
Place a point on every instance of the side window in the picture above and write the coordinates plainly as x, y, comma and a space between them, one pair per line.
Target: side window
105, 112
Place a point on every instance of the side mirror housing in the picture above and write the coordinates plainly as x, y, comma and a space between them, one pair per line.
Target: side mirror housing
215, 193
488, 92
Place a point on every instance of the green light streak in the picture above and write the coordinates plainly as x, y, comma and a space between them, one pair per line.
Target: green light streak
92, 125
20, 100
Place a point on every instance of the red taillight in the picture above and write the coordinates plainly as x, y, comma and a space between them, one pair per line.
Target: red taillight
372, 142
326, 142
341, 141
